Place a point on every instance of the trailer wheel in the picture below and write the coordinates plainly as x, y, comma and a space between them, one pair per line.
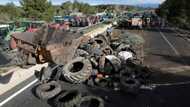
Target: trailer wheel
67, 99
20, 58
91, 101
48, 90
78, 70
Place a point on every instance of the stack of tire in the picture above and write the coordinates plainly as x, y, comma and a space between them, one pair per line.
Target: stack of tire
80, 68
68, 98
96, 55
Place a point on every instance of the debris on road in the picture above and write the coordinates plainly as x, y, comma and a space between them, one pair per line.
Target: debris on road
48, 90
98, 56
89, 101
97, 61
68, 99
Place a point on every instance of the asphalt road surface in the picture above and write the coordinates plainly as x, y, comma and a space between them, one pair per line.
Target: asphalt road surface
163, 49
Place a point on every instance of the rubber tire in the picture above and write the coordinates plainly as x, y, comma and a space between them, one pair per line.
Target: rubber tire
116, 63
81, 53
89, 98
132, 88
126, 72
104, 38
103, 44
69, 101
103, 83
107, 48
80, 76
42, 93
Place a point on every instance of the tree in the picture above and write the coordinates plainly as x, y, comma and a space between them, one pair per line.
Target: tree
176, 12
37, 9
4, 17
66, 8
10, 11
76, 6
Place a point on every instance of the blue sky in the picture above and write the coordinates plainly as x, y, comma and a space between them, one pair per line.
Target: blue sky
95, 2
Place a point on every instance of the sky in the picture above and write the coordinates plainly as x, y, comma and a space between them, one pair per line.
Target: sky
96, 2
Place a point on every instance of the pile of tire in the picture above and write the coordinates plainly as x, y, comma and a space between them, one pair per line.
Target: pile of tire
73, 98
99, 62
48, 90
78, 70
67, 98
81, 67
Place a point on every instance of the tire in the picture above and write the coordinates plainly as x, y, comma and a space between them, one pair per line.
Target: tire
103, 83
81, 53
67, 99
116, 62
122, 47
107, 50
48, 90
91, 101
109, 64
77, 70
126, 72
104, 38
101, 42
130, 85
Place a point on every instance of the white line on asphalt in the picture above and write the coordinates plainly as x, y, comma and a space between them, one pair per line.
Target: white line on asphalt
173, 48
17, 93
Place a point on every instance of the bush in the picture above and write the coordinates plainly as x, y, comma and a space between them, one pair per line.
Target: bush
4, 17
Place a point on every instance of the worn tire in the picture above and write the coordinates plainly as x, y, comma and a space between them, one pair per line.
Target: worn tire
126, 72
103, 37
116, 62
77, 70
81, 53
101, 42
130, 85
103, 83
107, 50
48, 90
91, 101
122, 47
67, 99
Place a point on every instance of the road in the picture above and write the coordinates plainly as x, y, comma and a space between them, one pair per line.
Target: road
163, 50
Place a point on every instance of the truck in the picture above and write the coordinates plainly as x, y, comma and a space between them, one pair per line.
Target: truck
137, 22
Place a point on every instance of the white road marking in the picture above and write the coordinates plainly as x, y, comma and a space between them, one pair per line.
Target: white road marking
173, 48
17, 93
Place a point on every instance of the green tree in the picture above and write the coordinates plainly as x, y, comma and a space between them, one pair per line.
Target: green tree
76, 6
66, 8
38, 9
4, 17
10, 11
176, 12
188, 10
